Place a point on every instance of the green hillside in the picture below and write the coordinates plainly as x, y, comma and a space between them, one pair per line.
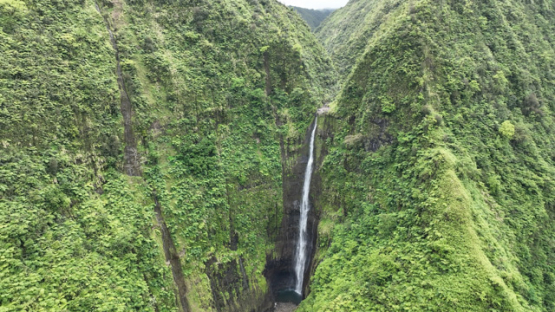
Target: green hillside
439, 183
131, 169
152, 155
313, 17
347, 33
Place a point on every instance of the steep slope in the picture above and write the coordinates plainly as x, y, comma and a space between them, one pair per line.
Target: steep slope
439, 183
345, 35
313, 17
137, 139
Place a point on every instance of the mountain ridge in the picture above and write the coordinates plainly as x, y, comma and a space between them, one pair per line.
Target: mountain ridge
313, 17
439, 133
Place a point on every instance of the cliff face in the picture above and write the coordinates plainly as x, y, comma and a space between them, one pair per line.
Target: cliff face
439, 182
141, 148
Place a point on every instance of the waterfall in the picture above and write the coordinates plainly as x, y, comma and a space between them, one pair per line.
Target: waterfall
300, 254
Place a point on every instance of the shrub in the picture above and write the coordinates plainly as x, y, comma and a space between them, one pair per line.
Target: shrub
507, 130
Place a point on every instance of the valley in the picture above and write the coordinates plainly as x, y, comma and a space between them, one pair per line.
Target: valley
227, 155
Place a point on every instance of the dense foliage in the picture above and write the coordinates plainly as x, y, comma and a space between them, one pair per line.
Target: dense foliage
214, 87
313, 17
346, 34
440, 178
438, 170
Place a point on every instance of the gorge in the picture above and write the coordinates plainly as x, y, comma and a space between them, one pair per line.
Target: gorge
302, 250
165, 155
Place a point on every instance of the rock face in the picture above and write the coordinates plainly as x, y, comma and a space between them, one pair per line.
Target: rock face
229, 278
280, 269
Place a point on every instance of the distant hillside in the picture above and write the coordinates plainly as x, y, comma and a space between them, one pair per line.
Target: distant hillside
313, 17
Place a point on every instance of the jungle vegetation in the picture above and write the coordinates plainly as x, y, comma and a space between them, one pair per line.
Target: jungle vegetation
439, 180
144, 145
136, 140
313, 17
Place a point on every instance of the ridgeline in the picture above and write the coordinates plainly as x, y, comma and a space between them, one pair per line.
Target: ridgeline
313, 17
439, 179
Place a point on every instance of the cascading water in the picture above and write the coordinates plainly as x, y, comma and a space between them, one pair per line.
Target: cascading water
300, 255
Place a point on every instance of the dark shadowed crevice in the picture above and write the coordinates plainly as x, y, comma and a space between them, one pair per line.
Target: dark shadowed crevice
132, 165
172, 257
268, 75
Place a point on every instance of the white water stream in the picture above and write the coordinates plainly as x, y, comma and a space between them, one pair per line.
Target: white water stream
300, 255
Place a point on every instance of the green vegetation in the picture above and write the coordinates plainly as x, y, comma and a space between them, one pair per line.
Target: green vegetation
213, 86
313, 17
439, 183
347, 32
144, 146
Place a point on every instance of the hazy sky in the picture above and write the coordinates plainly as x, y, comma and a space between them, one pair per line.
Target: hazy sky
316, 4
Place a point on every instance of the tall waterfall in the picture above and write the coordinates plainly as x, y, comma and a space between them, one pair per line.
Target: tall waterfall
300, 255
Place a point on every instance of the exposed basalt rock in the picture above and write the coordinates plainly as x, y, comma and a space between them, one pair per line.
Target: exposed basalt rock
284, 307
225, 278
228, 281
382, 137
280, 270
323, 110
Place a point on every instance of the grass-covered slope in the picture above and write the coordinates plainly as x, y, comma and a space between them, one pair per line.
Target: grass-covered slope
313, 17
132, 169
440, 175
